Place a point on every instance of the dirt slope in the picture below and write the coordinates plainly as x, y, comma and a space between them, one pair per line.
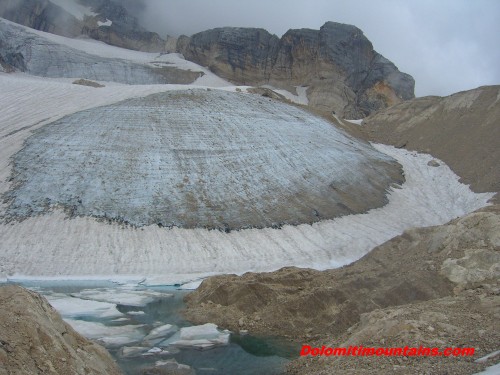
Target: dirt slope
462, 129
35, 340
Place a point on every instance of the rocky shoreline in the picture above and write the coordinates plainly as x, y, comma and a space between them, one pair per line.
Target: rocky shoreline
436, 286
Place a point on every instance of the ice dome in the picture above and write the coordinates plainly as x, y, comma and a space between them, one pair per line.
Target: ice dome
198, 158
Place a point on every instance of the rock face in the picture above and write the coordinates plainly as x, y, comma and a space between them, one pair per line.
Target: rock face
24, 51
124, 30
35, 340
337, 62
462, 129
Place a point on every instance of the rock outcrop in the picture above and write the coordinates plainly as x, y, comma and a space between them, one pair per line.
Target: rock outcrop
462, 129
22, 50
337, 62
123, 30
35, 340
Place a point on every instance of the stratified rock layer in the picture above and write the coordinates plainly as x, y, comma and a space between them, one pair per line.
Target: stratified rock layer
199, 158
35, 340
337, 62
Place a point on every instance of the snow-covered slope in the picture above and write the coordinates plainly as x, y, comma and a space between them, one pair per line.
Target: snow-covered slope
52, 245
48, 55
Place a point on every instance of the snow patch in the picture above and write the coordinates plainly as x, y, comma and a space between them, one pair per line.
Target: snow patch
107, 23
355, 122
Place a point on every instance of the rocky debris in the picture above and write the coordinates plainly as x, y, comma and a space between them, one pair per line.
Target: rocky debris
461, 129
86, 82
24, 51
467, 320
337, 62
415, 267
35, 340
124, 30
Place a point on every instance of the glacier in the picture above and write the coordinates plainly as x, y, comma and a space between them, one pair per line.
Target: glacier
198, 159
54, 245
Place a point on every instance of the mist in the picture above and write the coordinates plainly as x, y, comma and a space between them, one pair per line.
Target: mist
447, 45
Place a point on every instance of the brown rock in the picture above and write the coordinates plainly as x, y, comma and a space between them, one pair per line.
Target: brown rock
35, 340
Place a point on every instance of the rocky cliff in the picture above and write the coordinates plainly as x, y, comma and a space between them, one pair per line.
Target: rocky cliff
35, 340
338, 64
106, 21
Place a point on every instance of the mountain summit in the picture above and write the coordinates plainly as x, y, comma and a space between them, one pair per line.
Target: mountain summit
338, 64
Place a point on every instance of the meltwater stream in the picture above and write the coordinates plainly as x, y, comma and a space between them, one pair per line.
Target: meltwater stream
141, 325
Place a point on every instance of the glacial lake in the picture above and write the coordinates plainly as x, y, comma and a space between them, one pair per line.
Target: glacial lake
121, 316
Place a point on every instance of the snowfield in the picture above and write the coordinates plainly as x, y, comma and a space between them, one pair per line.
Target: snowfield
55, 246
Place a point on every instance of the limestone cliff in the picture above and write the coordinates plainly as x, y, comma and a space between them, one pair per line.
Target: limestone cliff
35, 340
337, 62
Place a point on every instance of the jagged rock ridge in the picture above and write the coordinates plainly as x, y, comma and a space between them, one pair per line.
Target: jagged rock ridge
337, 62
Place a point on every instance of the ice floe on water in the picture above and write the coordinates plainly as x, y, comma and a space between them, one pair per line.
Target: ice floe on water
135, 298
109, 336
76, 307
201, 337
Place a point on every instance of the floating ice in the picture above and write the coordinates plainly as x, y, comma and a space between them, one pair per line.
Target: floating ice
110, 336
201, 337
160, 332
75, 307
136, 298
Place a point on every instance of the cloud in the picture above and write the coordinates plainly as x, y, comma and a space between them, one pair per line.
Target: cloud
446, 45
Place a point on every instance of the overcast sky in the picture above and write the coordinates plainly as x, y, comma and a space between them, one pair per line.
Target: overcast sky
446, 45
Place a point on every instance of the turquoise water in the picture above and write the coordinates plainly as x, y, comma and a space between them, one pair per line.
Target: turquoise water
245, 355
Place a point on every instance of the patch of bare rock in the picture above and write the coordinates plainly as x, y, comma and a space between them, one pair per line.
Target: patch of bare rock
35, 340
